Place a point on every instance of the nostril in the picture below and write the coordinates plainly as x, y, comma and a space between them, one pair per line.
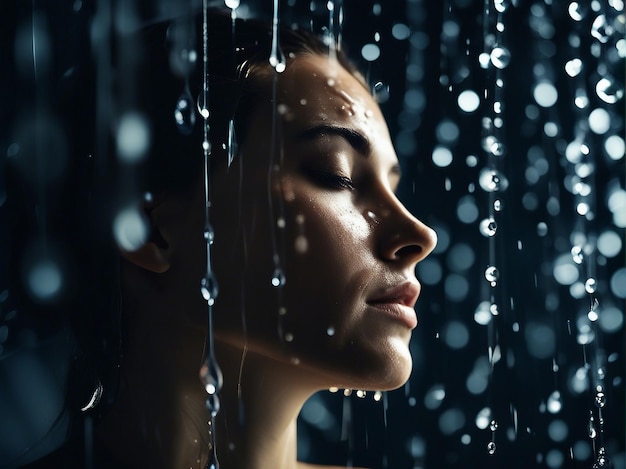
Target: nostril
411, 250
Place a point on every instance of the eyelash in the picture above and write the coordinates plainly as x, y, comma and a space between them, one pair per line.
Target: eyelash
335, 180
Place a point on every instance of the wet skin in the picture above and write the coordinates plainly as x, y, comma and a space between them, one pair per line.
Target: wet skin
348, 249
347, 239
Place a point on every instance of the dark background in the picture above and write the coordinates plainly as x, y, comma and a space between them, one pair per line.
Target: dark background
401, 431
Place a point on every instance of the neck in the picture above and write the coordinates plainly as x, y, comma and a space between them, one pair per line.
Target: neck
256, 426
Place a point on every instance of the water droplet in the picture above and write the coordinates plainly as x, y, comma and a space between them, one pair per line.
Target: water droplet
232, 142
600, 399
209, 234
488, 227
208, 288
95, 398
591, 428
491, 180
601, 29
500, 57
278, 278
184, 114
577, 254
330, 331
491, 447
381, 92
493, 425
591, 285
609, 90
493, 308
232, 4
497, 205
211, 376
492, 275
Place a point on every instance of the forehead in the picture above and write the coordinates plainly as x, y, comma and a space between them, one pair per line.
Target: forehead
315, 89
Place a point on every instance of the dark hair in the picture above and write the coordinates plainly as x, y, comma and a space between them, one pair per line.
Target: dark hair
238, 76
83, 198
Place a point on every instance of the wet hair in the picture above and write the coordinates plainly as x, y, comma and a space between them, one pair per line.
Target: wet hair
82, 200
239, 75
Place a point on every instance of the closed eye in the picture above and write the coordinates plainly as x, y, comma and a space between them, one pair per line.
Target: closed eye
332, 180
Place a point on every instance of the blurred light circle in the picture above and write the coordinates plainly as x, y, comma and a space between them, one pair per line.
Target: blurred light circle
615, 147
581, 450
456, 287
618, 283
540, 340
451, 421
460, 257
434, 397
468, 101
400, 31
370, 52
466, 210
442, 156
574, 67
447, 131
429, 271
610, 319
599, 121
456, 335
564, 271
483, 418
133, 137
482, 314
130, 229
609, 243
554, 458
558, 431
545, 94
45, 279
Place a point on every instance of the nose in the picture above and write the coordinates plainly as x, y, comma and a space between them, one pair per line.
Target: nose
402, 237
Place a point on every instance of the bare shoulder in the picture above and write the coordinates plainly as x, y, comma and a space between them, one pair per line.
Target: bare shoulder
303, 465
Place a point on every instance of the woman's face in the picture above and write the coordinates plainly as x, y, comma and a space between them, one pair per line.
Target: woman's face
346, 245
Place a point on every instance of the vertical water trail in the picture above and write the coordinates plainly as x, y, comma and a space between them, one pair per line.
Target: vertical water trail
210, 373
277, 61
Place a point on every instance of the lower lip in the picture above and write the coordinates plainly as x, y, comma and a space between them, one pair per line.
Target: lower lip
399, 312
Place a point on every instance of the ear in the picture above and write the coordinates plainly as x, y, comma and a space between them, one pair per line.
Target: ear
153, 254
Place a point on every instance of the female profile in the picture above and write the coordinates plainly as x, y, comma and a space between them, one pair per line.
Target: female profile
310, 193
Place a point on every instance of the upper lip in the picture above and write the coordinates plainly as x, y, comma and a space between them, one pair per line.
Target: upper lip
405, 293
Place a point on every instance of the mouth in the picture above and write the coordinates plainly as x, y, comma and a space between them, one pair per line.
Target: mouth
398, 302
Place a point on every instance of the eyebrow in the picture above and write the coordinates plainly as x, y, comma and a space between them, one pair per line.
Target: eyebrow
356, 139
